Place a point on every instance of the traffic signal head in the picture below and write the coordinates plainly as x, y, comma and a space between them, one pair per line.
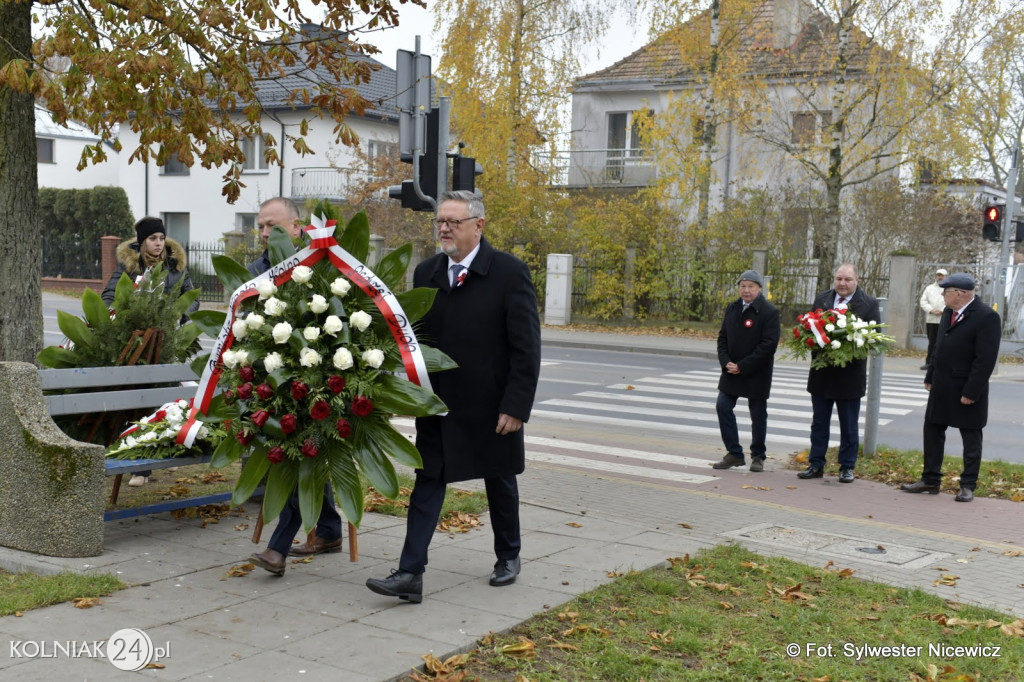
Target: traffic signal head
464, 172
992, 227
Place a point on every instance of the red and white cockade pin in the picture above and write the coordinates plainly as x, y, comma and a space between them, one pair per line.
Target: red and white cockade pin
748, 323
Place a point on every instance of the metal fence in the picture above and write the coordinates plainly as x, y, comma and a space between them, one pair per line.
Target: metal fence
69, 256
200, 269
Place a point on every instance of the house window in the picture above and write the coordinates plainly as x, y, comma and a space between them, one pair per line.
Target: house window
177, 225
245, 222
804, 123
381, 150
174, 166
623, 142
254, 149
826, 127
44, 150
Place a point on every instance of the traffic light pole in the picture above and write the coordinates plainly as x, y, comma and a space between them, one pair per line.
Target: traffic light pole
1004, 252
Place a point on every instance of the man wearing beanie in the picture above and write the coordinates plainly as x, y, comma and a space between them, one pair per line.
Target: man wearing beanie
957, 381
747, 343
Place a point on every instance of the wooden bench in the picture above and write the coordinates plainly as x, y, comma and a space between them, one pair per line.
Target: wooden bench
129, 391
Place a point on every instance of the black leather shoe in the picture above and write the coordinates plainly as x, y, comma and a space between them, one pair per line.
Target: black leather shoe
729, 461
811, 472
846, 475
505, 572
401, 584
920, 487
965, 495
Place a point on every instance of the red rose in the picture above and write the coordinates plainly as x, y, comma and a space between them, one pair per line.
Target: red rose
276, 455
361, 406
260, 417
308, 448
796, 332
320, 410
299, 390
159, 416
244, 392
243, 438
809, 342
229, 397
247, 373
344, 428
265, 392
289, 423
336, 383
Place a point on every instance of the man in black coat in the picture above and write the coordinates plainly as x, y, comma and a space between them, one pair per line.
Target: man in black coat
747, 343
841, 387
966, 352
485, 318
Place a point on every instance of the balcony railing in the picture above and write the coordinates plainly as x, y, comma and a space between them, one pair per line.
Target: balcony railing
601, 167
326, 182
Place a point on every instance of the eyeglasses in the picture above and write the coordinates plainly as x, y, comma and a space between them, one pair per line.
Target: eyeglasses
949, 290
453, 222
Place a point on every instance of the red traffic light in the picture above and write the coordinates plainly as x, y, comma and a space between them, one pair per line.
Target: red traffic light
993, 214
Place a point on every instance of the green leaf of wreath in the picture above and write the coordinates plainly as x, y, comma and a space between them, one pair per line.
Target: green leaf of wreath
416, 302
252, 473
183, 302
209, 321
311, 490
401, 396
400, 448
348, 488
280, 246
281, 481
356, 237
227, 452
95, 309
230, 272
373, 462
436, 360
75, 329
56, 358
391, 268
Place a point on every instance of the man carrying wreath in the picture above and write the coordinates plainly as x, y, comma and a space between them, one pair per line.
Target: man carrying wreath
841, 387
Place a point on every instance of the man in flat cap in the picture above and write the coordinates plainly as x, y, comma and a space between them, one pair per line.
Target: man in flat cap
747, 343
932, 304
957, 380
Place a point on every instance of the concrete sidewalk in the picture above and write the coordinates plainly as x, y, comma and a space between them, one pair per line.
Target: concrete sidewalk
319, 622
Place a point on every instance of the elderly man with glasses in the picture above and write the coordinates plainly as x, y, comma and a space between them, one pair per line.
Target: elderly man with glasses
957, 380
485, 317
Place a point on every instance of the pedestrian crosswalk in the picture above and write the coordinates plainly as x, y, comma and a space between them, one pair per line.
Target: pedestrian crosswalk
682, 405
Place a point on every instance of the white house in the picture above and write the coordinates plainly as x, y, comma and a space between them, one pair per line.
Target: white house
59, 149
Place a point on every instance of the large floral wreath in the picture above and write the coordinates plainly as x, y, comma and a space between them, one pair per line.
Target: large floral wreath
307, 360
835, 338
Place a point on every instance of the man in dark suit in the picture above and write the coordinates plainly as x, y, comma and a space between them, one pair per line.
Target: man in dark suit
841, 387
747, 343
485, 318
965, 354
282, 212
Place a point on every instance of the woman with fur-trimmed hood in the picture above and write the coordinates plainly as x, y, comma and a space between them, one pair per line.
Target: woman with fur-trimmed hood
149, 248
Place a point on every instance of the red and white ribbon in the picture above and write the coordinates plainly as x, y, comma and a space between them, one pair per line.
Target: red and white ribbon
322, 245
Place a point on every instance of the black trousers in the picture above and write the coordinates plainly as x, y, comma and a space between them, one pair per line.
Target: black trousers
425, 509
933, 332
328, 526
934, 451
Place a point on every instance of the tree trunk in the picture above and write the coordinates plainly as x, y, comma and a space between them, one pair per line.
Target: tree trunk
21, 312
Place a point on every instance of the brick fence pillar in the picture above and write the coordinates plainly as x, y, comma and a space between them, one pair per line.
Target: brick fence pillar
108, 257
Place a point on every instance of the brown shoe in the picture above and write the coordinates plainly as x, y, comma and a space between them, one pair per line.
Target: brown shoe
318, 547
269, 560
729, 461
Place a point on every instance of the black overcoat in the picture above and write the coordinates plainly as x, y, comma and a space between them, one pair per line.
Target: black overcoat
965, 355
490, 326
843, 383
750, 339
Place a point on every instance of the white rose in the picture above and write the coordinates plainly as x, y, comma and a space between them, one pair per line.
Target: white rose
309, 357
239, 329
174, 415
281, 332
254, 321
318, 304
183, 404
274, 306
342, 358
273, 362
837, 344
340, 286
229, 359
242, 357
302, 274
333, 325
266, 288
360, 320
311, 333
373, 357
830, 327
841, 322
859, 341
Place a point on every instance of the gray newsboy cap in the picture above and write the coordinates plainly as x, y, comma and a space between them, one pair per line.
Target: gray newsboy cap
958, 280
750, 276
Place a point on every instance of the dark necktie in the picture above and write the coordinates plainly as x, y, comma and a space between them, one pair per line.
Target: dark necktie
458, 274
956, 318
